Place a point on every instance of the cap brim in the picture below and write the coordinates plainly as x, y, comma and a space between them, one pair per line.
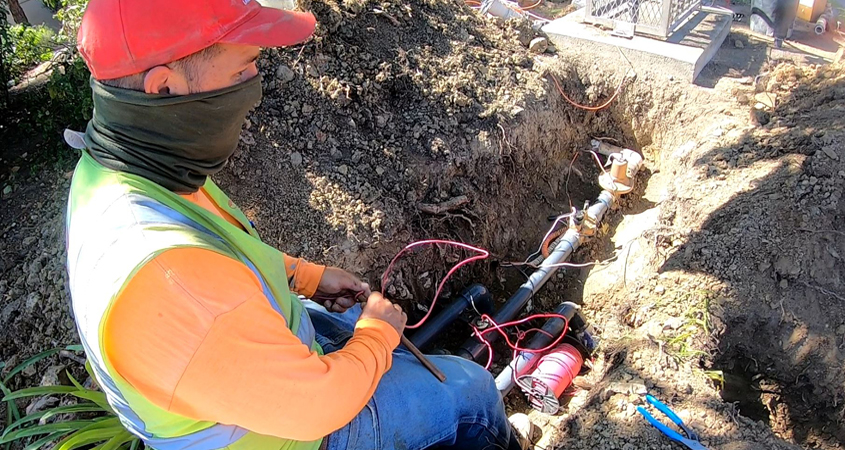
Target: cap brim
273, 27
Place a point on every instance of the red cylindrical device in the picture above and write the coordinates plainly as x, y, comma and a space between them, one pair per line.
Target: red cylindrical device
551, 376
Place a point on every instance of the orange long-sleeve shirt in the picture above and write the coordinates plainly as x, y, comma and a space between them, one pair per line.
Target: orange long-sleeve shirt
193, 332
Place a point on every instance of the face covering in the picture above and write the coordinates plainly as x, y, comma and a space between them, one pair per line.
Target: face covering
175, 141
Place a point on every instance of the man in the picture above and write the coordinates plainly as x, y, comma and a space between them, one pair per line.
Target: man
188, 319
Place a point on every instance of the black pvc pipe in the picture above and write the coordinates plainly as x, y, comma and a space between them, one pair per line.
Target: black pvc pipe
473, 348
476, 296
553, 328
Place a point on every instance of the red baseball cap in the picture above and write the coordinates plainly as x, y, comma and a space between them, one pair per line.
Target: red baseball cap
124, 37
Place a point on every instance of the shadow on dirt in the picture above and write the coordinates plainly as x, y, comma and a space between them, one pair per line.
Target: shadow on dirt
777, 245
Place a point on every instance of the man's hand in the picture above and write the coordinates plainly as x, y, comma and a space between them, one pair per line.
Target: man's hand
338, 290
378, 307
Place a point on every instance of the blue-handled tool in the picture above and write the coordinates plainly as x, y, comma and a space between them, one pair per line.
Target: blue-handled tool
691, 439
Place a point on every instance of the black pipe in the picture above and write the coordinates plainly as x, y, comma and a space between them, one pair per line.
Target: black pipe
473, 349
553, 328
476, 296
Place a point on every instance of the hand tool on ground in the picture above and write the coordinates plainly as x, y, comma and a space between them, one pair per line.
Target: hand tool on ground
412, 348
690, 441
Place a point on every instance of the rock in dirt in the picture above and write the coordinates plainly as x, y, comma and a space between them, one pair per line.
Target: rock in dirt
738, 44
52, 376
28, 371
32, 300
633, 387
296, 159
830, 152
538, 45
760, 117
768, 99
41, 403
284, 74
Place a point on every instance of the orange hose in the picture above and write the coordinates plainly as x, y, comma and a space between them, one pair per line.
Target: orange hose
532, 6
589, 108
549, 240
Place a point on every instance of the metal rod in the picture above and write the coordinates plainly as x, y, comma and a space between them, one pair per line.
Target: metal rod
476, 296
413, 349
423, 359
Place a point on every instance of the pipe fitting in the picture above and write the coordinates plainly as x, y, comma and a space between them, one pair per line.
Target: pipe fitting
624, 165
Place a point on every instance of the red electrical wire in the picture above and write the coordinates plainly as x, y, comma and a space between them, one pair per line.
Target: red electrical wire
590, 108
480, 334
530, 7
499, 328
482, 254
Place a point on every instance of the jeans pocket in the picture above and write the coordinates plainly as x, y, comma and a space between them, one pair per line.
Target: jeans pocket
332, 342
366, 432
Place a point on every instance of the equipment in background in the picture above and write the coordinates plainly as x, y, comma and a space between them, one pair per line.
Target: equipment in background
690, 441
811, 10
774, 18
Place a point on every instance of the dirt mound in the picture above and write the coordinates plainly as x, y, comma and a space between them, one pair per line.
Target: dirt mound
733, 279
34, 308
393, 112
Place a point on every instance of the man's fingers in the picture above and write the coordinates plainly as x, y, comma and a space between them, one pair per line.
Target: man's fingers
365, 287
338, 308
346, 302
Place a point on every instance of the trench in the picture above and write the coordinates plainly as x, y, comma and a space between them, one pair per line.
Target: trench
515, 217
546, 170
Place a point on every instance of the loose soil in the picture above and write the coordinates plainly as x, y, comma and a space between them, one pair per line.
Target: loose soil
724, 288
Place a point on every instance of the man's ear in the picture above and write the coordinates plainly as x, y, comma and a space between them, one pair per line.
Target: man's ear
164, 80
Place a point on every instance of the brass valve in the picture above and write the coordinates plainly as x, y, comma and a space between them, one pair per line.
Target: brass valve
623, 167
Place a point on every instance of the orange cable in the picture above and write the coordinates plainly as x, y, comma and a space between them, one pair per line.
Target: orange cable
532, 6
590, 108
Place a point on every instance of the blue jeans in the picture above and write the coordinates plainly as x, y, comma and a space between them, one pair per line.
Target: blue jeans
411, 409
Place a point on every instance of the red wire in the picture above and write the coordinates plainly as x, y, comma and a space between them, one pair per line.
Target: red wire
515, 347
515, 355
589, 108
482, 254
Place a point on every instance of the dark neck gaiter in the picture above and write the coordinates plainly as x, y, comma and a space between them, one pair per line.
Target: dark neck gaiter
175, 141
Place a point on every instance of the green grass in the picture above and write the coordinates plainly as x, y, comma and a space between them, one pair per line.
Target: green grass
716, 376
692, 336
89, 423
